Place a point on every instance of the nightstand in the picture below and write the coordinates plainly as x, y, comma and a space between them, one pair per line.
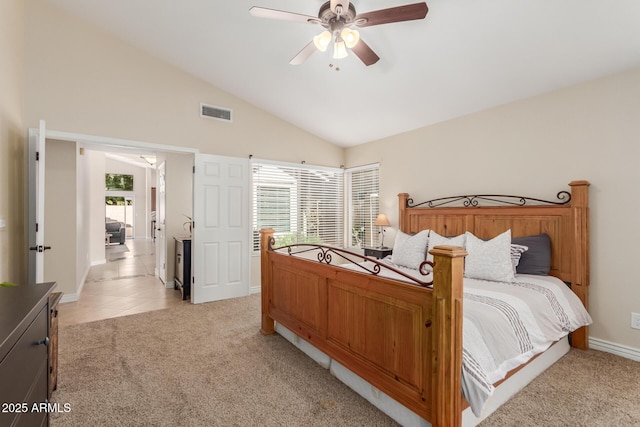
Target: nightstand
377, 252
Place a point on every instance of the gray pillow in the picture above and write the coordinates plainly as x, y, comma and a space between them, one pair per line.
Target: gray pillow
410, 251
537, 259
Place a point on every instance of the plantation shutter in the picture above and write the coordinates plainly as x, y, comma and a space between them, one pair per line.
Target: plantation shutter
303, 204
364, 205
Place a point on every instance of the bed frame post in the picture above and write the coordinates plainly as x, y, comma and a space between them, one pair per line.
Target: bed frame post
580, 265
446, 347
402, 216
268, 326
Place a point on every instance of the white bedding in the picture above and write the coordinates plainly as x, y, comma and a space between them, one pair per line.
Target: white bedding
506, 324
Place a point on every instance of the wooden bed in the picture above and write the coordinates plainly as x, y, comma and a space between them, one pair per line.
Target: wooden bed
404, 339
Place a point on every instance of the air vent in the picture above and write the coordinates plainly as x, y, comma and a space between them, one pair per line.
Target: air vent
213, 112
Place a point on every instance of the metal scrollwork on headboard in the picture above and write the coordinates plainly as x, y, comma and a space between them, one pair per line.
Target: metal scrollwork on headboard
473, 201
325, 256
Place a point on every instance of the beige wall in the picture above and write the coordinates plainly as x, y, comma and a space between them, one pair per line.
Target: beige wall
96, 161
82, 80
179, 197
535, 147
13, 249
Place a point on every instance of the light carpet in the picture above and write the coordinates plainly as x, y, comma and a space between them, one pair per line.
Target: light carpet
197, 365
207, 365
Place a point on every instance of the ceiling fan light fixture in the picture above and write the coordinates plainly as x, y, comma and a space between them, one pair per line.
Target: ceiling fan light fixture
322, 40
350, 37
339, 50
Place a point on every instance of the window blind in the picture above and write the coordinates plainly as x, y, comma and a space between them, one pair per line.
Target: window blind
303, 204
364, 206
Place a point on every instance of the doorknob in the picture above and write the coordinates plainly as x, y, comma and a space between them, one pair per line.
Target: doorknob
39, 248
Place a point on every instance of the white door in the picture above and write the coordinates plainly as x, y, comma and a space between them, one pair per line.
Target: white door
161, 243
37, 138
220, 245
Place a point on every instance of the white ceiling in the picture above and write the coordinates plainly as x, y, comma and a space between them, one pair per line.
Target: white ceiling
466, 56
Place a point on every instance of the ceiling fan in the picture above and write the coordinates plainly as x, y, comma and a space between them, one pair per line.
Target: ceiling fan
338, 17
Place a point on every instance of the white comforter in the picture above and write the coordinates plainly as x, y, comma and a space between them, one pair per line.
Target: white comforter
506, 324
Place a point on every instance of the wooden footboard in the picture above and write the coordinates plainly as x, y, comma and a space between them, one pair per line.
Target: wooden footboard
404, 339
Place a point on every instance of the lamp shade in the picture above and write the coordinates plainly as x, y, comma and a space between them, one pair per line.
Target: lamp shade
382, 221
322, 40
339, 50
350, 37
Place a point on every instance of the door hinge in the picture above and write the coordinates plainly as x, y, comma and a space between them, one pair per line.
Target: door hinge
37, 227
37, 156
194, 169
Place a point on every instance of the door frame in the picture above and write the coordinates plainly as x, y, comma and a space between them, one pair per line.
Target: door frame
161, 226
100, 142
35, 201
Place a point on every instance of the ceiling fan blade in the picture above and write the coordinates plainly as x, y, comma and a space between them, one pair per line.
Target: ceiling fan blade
365, 53
408, 12
262, 12
343, 3
305, 53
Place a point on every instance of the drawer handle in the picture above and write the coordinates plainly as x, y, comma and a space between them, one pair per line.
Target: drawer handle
44, 341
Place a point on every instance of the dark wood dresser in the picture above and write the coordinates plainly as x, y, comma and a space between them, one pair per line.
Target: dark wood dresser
24, 354
183, 266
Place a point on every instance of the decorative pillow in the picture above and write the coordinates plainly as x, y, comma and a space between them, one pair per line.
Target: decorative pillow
516, 253
410, 251
537, 259
489, 260
437, 240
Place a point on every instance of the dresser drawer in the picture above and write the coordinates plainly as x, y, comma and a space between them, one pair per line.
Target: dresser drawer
25, 368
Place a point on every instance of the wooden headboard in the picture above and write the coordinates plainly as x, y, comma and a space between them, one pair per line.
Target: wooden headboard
566, 221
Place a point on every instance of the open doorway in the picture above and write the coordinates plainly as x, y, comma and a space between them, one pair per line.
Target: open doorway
85, 211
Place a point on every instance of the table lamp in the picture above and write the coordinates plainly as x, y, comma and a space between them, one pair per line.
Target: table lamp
382, 221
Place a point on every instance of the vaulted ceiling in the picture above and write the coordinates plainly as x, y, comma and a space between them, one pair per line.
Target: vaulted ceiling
465, 56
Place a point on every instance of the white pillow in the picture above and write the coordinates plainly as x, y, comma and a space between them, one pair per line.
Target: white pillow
490, 259
437, 240
410, 251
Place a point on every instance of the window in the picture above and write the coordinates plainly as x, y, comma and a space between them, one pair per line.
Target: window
118, 182
303, 204
364, 205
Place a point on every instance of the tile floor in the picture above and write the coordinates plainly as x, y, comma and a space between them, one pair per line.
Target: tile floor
124, 285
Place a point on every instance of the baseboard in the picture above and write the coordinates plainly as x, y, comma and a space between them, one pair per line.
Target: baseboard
83, 280
69, 298
98, 262
613, 348
170, 284
254, 290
